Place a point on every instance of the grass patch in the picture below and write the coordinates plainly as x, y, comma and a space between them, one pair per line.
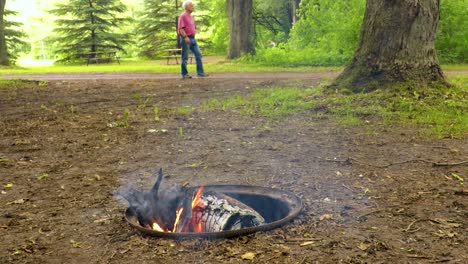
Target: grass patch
267, 102
455, 67
14, 83
185, 110
440, 111
157, 67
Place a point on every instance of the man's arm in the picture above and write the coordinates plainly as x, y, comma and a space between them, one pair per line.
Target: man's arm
184, 35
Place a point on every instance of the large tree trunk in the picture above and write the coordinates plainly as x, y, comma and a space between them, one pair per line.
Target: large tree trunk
397, 45
3, 48
241, 29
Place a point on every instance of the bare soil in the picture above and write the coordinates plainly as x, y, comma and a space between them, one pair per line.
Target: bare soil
372, 194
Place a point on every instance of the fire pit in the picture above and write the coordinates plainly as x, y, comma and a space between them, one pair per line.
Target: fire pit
213, 211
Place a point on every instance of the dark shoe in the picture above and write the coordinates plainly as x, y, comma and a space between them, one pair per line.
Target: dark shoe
186, 77
203, 75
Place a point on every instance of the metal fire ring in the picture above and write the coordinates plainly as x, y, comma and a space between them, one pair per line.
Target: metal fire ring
280, 200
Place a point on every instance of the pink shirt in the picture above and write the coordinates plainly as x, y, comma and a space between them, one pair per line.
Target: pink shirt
187, 23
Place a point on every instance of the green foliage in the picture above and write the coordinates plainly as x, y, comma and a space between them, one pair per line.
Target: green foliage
218, 32
327, 33
14, 37
273, 20
452, 35
125, 118
185, 110
156, 113
157, 27
142, 102
88, 26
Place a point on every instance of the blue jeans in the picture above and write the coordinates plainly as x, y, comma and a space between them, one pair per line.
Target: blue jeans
193, 46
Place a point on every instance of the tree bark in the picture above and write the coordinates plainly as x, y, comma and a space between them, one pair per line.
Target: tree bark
241, 28
295, 7
4, 60
397, 45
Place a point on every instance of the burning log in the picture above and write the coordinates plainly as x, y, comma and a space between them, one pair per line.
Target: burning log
181, 209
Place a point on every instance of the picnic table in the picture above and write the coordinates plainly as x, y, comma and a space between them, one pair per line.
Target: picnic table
100, 57
175, 54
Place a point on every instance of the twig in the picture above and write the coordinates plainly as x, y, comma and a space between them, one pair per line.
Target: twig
440, 260
369, 213
436, 164
4, 226
448, 164
416, 256
407, 229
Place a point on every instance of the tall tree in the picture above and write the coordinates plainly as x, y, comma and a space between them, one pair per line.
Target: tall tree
89, 26
11, 39
158, 20
294, 10
241, 29
397, 45
3, 48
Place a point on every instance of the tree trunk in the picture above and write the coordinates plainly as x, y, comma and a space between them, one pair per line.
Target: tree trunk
241, 29
295, 7
397, 45
4, 60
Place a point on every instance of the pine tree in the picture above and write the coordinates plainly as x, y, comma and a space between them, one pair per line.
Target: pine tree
10, 36
14, 37
89, 26
157, 26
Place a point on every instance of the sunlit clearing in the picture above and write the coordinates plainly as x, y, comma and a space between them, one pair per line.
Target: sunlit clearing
35, 63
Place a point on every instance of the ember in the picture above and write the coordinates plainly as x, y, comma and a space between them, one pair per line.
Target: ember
179, 210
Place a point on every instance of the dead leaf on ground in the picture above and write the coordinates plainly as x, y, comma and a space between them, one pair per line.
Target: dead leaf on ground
445, 233
446, 223
326, 217
248, 256
19, 201
364, 246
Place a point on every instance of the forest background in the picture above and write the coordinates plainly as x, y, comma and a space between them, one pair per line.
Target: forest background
316, 32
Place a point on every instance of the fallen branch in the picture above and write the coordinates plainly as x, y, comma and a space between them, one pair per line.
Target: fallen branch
435, 164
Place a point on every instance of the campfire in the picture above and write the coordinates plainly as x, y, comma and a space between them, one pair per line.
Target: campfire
214, 210
178, 210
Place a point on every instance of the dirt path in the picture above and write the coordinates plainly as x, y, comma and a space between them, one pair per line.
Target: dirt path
371, 194
159, 76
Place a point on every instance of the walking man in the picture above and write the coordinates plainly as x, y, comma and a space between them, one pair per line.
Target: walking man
186, 35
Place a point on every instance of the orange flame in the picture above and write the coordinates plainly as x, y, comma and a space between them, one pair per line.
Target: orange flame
157, 227
197, 227
197, 197
177, 219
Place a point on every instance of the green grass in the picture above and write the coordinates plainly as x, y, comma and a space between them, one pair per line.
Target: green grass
455, 67
161, 67
274, 103
185, 110
438, 111
19, 83
155, 67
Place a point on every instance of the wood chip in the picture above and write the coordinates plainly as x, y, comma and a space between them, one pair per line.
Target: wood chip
307, 243
248, 256
364, 246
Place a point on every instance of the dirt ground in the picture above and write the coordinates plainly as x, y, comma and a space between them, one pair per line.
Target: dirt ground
373, 194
